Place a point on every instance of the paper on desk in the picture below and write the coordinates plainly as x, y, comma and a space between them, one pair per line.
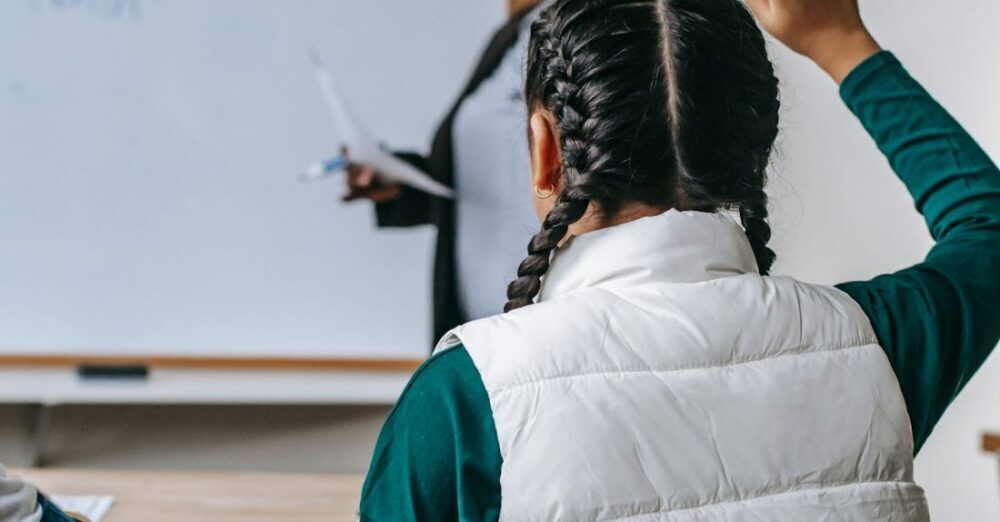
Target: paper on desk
362, 145
94, 508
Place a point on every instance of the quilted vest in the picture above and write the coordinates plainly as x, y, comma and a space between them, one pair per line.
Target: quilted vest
661, 378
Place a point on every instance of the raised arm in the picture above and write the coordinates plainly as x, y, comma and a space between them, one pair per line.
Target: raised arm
940, 319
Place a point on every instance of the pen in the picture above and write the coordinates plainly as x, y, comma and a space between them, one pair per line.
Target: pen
323, 169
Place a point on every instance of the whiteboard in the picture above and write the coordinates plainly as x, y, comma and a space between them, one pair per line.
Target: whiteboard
148, 159
148, 153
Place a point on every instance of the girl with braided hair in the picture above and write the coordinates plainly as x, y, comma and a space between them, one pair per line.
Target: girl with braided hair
647, 367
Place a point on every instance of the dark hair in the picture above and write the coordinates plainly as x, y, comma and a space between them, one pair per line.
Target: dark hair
670, 103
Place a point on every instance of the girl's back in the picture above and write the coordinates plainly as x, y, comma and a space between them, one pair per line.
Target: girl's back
648, 368
660, 373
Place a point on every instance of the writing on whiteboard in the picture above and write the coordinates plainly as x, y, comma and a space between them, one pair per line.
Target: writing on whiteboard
111, 9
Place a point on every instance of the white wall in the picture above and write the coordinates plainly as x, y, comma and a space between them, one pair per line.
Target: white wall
962, 482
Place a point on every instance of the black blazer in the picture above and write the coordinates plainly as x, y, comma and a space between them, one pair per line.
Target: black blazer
414, 208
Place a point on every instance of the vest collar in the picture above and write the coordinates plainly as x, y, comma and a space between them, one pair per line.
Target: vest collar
673, 247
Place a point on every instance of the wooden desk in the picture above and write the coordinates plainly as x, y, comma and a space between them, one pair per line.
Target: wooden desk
209, 497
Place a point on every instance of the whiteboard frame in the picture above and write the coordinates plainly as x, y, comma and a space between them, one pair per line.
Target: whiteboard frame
53, 380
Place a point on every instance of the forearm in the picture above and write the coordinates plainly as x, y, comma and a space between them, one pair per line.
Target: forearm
954, 183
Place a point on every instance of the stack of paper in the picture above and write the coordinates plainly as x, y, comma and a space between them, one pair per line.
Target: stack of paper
361, 144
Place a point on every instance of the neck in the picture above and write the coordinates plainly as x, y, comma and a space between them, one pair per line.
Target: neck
594, 219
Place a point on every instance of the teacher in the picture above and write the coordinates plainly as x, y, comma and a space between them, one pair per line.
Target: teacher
480, 150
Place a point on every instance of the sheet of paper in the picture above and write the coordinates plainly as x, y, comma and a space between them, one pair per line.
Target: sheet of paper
363, 146
92, 507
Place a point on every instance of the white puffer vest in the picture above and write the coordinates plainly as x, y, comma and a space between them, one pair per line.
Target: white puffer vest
661, 378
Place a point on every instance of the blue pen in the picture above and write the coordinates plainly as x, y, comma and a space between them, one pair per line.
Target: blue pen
324, 168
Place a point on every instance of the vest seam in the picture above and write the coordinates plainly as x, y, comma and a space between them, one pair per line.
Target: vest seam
797, 351
789, 491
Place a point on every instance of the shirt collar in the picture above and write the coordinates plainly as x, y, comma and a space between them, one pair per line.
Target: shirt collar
676, 246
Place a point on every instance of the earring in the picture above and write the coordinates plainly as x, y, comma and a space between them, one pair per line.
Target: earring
547, 195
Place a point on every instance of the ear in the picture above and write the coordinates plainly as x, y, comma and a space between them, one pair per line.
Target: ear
546, 155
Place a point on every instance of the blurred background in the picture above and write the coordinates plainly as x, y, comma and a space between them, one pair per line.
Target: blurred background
150, 211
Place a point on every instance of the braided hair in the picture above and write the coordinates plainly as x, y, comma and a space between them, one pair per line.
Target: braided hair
668, 103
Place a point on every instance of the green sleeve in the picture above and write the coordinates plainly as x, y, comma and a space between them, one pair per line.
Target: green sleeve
939, 320
437, 458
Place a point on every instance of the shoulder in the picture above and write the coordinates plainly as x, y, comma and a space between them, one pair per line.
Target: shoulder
443, 404
548, 338
440, 433
822, 313
447, 369
446, 381
514, 335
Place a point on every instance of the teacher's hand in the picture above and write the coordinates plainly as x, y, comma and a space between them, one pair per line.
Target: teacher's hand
364, 182
829, 32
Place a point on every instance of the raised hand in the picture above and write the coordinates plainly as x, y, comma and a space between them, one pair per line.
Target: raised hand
829, 32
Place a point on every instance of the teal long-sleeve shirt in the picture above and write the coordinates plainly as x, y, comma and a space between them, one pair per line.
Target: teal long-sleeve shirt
438, 457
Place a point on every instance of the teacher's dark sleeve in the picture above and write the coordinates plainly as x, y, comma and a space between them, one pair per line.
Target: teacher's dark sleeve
939, 320
412, 207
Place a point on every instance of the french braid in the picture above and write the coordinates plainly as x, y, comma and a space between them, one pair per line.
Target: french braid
566, 70
670, 103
